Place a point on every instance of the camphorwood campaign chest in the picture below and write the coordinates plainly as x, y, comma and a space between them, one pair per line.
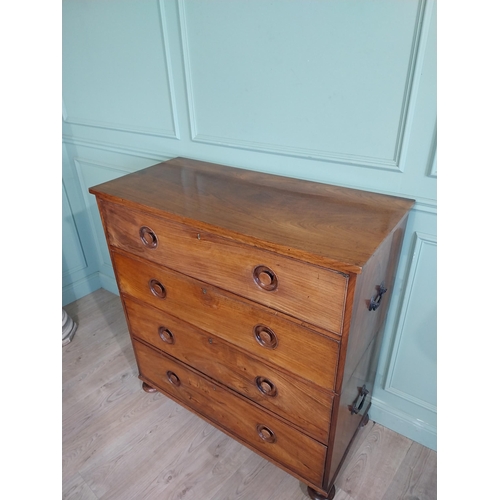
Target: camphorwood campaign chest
257, 302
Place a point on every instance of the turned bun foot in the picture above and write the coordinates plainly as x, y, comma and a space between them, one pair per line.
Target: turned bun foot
147, 388
318, 496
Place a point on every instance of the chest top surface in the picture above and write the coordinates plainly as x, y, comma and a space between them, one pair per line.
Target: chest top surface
327, 225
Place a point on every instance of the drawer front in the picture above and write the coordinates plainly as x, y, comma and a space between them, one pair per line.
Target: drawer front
256, 329
297, 401
310, 293
260, 429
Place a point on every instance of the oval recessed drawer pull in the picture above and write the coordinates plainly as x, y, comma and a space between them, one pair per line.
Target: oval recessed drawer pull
265, 278
266, 387
148, 237
265, 336
173, 378
166, 335
157, 289
266, 434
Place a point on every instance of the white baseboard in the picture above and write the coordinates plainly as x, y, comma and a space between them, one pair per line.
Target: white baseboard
89, 284
80, 288
109, 283
403, 424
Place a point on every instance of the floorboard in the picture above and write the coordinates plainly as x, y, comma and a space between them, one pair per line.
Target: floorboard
120, 443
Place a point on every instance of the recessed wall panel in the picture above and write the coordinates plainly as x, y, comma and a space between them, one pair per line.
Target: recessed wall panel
412, 372
116, 67
320, 79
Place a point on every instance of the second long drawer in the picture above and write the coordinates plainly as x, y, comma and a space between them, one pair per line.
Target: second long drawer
256, 329
293, 399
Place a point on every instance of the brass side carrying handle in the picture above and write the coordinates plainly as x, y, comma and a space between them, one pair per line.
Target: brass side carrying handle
362, 393
375, 301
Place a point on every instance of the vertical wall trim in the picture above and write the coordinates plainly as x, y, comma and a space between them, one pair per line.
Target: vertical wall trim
64, 112
413, 80
181, 9
77, 233
432, 162
168, 65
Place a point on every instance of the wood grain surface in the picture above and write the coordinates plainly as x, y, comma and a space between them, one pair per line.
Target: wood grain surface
318, 223
120, 443
311, 293
301, 403
299, 350
260, 429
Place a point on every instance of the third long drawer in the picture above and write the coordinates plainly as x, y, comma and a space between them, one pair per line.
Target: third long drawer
294, 399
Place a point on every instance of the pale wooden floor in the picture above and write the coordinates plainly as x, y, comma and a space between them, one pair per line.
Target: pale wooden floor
121, 443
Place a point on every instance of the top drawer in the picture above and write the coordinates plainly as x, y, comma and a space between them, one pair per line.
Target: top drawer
310, 293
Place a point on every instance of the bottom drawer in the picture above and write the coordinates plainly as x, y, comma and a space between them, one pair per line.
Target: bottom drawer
258, 428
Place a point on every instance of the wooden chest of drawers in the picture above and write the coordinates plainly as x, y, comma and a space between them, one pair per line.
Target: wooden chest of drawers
257, 302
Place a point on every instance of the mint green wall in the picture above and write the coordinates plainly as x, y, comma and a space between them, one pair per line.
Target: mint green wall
340, 92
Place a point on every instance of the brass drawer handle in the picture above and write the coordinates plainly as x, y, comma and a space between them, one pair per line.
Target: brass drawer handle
173, 378
266, 387
356, 407
266, 434
148, 237
166, 335
157, 289
265, 278
375, 301
265, 336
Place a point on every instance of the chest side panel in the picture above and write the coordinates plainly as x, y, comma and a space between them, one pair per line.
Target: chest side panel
359, 355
